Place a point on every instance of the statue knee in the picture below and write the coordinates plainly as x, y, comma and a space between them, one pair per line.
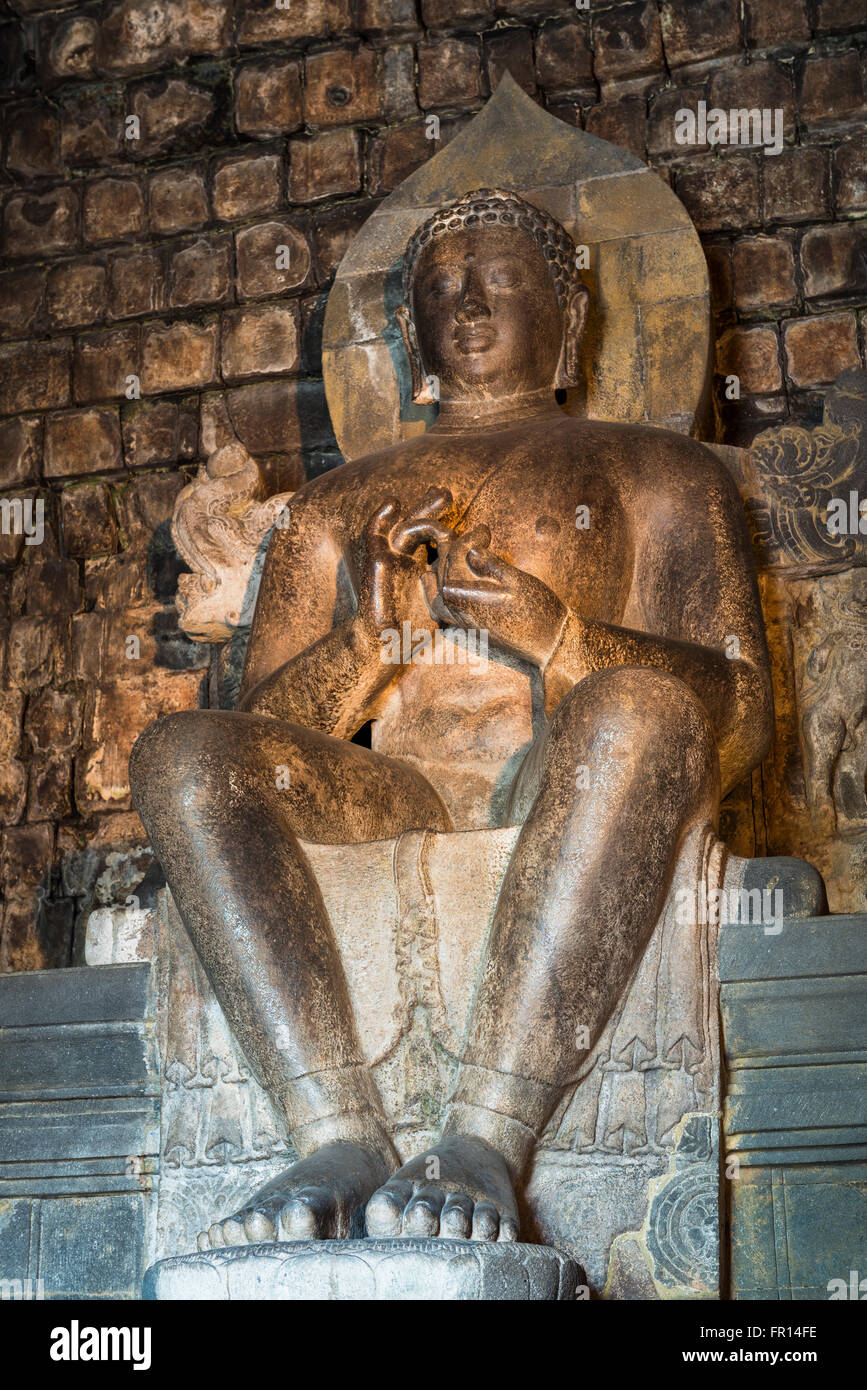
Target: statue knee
166, 759
646, 708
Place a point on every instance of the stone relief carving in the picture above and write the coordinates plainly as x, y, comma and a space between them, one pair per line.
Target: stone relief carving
830, 659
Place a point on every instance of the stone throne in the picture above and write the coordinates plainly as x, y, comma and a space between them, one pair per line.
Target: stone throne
626, 1178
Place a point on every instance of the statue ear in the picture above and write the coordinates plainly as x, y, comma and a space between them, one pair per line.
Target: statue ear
575, 321
422, 393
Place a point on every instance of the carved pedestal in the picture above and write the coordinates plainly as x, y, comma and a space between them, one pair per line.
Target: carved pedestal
386, 1270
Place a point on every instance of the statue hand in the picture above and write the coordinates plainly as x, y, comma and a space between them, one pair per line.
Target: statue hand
391, 588
521, 614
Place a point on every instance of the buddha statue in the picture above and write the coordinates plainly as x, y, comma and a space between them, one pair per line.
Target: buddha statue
624, 689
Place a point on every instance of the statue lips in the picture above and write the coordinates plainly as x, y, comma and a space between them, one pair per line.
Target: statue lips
474, 337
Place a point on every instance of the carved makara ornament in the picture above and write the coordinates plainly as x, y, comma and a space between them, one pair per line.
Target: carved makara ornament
220, 524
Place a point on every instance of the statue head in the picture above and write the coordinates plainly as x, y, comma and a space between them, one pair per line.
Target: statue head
493, 304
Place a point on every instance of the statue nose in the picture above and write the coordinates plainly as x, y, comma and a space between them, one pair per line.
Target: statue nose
472, 306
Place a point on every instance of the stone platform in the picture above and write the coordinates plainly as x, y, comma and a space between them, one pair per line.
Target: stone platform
403, 1268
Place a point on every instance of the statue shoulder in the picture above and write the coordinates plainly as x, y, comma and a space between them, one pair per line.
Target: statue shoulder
660, 462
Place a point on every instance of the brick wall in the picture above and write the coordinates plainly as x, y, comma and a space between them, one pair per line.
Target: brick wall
154, 153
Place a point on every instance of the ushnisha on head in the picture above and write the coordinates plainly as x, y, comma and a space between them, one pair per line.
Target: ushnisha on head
493, 303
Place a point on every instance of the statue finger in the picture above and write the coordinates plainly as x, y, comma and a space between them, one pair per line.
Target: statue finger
383, 518
479, 539
484, 591
482, 562
416, 531
435, 501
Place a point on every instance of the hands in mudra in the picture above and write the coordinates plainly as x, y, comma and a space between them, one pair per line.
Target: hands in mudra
467, 586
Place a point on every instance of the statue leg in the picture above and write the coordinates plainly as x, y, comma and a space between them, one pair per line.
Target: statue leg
626, 767
224, 797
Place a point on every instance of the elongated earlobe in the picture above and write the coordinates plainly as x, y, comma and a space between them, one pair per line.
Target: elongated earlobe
422, 393
575, 320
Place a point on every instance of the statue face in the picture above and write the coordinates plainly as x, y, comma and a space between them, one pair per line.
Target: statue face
486, 314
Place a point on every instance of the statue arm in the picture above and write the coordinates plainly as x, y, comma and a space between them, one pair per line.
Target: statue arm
301, 665
696, 599
328, 670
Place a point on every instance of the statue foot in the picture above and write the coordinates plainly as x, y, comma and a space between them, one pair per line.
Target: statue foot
321, 1197
460, 1189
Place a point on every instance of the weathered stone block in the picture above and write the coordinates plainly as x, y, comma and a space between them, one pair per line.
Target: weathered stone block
751, 354
661, 124
68, 47
201, 272
177, 200
82, 441
89, 527
760, 85
76, 294
103, 364
113, 210
37, 225
21, 295
150, 433
621, 122
20, 450
510, 50
52, 588
395, 154
11, 712
398, 82
91, 129
49, 787
721, 193
117, 714
13, 791
246, 186
342, 87
268, 416
627, 42
33, 141
334, 234
832, 88
833, 259
260, 21
28, 944
173, 113
764, 273
145, 503
268, 98
850, 174
38, 652
53, 721
770, 22
260, 340
135, 284
378, 18
819, 348
564, 62
701, 30
138, 36
449, 72
796, 185
178, 356
271, 257
34, 376
839, 16
325, 165
457, 14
